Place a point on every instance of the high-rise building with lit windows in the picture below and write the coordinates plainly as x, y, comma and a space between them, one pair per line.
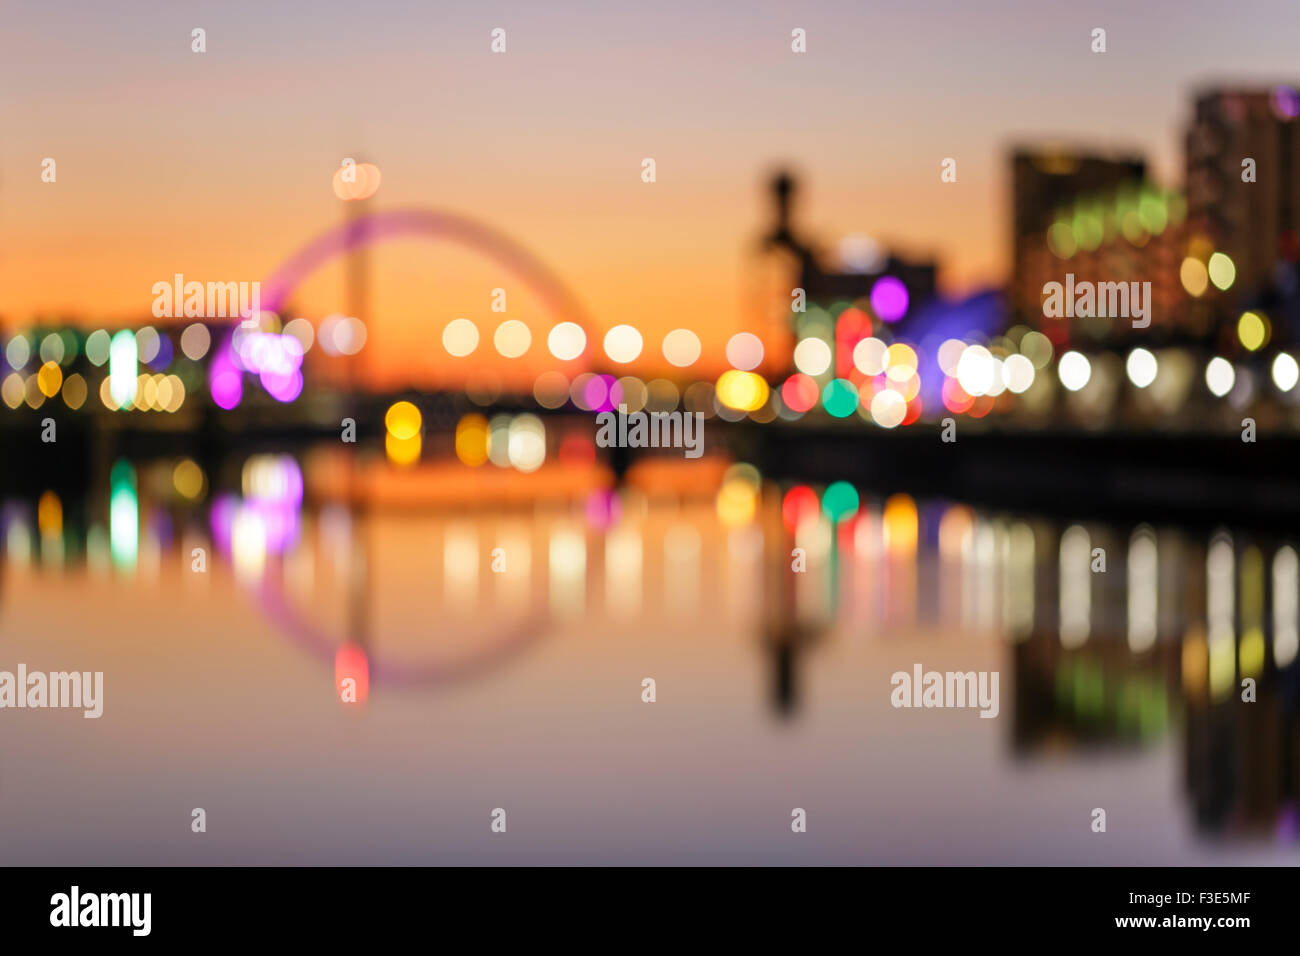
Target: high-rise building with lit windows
1243, 194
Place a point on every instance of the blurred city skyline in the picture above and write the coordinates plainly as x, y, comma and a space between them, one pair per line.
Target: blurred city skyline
527, 144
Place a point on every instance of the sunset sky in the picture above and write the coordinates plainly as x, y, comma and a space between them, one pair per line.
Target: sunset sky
218, 165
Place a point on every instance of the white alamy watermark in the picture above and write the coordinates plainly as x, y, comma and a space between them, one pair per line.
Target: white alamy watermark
946, 689
75, 908
1086, 300
652, 430
211, 300
56, 689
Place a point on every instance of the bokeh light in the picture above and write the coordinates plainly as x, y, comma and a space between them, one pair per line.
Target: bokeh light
1222, 271
1017, 373
871, 356
743, 391
1141, 367
1286, 372
1074, 371
681, 347
567, 341
888, 408
840, 501
745, 351
1253, 331
512, 338
839, 398
812, 357
472, 440
1220, 376
976, 370
889, 298
460, 338
1194, 276
800, 392
623, 344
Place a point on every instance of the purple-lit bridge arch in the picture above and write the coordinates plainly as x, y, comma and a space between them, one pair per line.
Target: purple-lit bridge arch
562, 304
469, 233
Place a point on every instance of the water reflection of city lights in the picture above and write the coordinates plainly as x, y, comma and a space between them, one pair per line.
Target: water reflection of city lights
472, 439
402, 441
1075, 587
1219, 612
124, 516
1143, 590
526, 439
1286, 606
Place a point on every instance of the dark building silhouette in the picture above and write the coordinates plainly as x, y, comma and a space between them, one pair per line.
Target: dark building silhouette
1256, 223
825, 285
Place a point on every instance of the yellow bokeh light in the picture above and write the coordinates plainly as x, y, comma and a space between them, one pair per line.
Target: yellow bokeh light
49, 515
187, 479
900, 524
472, 440
900, 362
743, 391
402, 451
403, 421
12, 390
176, 393
1194, 276
74, 391
1253, 331
737, 502
50, 379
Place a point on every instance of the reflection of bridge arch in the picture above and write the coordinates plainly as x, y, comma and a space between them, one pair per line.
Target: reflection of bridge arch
428, 224
496, 652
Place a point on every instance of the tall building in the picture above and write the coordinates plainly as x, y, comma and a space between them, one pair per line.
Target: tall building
1045, 182
1101, 220
1243, 193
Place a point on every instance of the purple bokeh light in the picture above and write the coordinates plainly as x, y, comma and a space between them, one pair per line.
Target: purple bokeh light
889, 298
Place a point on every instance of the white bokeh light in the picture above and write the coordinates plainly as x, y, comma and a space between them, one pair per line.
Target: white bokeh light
567, 341
623, 344
976, 370
812, 357
1074, 371
1220, 376
1141, 367
1286, 372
